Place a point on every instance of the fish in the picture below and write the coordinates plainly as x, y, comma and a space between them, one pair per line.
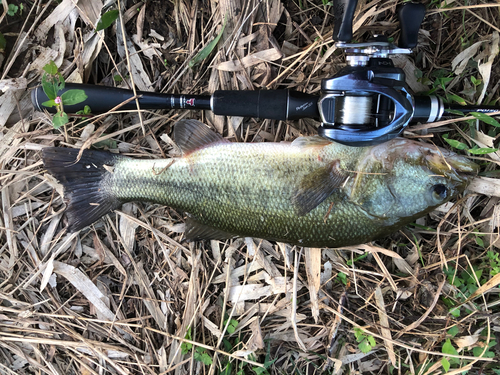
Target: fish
311, 192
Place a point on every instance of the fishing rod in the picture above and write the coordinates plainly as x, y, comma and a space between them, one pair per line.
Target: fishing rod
365, 103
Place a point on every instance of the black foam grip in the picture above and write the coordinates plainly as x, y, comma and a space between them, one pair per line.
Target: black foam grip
410, 17
265, 104
270, 104
343, 14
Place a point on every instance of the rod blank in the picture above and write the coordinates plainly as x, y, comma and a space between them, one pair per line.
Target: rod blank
266, 104
101, 99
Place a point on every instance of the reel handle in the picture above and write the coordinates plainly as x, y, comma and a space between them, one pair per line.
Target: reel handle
410, 17
343, 15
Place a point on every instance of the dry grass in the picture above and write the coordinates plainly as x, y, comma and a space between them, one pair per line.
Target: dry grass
128, 296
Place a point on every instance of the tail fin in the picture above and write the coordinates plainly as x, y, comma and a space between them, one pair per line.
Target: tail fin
86, 193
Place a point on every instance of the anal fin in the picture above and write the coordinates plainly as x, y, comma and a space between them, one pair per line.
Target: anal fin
196, 231
317, 186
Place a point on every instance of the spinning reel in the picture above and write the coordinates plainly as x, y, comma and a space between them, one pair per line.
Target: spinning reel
366, 103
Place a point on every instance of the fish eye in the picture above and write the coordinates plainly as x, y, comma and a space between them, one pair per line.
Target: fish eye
439, 192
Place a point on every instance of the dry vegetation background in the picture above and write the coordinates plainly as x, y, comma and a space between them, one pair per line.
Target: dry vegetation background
128, 296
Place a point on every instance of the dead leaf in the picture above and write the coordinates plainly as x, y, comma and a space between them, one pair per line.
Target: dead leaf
240, 293
459, 63
313, 268
491, 283
256, 58
85, 286
375, 249
485, 185
47, 273
59, 14
148, 48
384, 325
256, 341
127, 226
485, 68
467, 341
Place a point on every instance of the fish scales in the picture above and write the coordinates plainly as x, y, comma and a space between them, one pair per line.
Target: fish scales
311, 192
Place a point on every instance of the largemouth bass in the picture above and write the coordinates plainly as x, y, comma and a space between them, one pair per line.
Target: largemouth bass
311, 192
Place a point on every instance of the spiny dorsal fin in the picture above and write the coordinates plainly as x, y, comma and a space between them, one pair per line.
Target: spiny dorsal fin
311, 141
196, 231
191, 135
317, 186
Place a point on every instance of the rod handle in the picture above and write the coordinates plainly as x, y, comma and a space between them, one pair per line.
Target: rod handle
265, 104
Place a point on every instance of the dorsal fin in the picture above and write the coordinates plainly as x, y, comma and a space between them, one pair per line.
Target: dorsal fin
191, 135
317, 186
311, 141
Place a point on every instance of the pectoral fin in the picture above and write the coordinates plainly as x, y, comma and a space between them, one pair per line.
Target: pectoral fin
196, 231
317, 186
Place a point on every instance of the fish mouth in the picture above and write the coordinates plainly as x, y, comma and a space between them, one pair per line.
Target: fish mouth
440, 160
447, 160
458, 169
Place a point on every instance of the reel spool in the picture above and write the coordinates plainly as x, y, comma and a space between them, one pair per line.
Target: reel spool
359, 111
354, 111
